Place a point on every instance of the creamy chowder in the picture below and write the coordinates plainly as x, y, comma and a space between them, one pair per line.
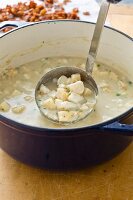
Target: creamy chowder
17, 92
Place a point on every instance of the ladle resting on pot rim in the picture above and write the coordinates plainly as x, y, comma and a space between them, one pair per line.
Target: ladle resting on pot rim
68, 105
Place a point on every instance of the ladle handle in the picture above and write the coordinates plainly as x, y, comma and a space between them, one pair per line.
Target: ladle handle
96, 36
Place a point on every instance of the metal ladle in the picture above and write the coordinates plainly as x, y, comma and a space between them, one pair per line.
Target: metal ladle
85, 75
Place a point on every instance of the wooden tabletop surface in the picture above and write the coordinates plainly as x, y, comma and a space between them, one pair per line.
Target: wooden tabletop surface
121, 18
112, 180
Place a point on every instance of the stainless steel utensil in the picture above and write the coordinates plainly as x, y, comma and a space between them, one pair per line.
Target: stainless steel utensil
85, 75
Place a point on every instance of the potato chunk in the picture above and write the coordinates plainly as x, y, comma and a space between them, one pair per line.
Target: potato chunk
49, 104
18, 109
76, 98
65, 105
75, 78
69, 81
62, 86
62, 80
84, 107
62, 94
52, 114
67, 116
29, 98
44, 89
105, 87
77, 87
87, 92
52, 94
16, 93
4, 106
91, 104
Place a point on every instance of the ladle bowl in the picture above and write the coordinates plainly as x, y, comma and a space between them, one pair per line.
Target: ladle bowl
67, 71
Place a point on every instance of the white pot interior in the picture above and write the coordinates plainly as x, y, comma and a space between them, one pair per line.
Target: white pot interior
64, 38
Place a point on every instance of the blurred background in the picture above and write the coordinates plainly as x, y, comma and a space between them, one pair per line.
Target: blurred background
122, 2
127, 1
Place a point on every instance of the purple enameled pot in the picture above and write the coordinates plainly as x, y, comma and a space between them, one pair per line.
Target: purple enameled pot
64, 148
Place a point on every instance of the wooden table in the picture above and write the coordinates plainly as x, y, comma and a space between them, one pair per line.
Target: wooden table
121, 18
110, 181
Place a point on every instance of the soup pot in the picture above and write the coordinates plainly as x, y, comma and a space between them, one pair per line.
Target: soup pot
64, 148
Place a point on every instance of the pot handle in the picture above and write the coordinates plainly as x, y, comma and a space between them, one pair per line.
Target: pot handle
118, 128
16, 24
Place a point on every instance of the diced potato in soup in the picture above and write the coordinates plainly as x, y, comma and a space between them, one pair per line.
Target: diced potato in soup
68, 100
17, 91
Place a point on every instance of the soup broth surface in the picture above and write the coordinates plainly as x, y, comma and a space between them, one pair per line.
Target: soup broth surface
17, 92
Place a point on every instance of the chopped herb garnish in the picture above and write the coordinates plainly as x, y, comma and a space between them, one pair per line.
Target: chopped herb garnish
98, 65
130, 82
118, 94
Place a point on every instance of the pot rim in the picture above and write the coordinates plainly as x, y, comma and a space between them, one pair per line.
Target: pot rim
19, 125
25, 24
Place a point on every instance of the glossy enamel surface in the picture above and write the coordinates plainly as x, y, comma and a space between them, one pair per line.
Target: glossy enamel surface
63, 149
